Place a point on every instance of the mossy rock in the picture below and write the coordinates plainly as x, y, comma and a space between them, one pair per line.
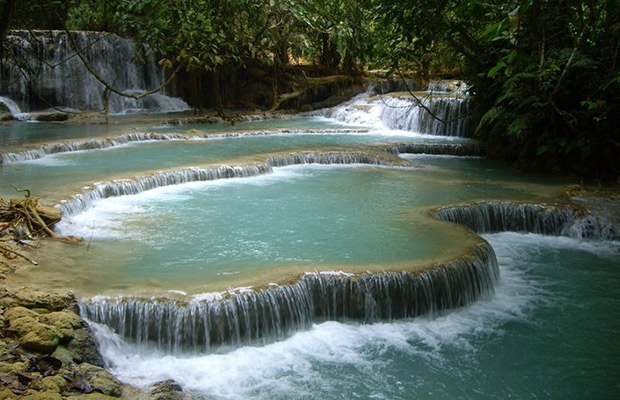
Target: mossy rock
41, 338
101, 380
34, 395
64, 355
55, 383
14, 313
7, 394
65, 323
30, 298
14, 368
167, 390
97, 396
84, 349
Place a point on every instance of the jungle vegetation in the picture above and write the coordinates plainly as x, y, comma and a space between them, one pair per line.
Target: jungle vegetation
544, 74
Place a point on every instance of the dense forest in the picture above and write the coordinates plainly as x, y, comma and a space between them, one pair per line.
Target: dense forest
543, 75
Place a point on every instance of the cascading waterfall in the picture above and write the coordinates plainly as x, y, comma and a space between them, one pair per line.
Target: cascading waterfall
442, 115
93, 144
124, 187
501, 217
531, 218
14, 109
433, 115
63, 81
80, 145
448, 149
258, 317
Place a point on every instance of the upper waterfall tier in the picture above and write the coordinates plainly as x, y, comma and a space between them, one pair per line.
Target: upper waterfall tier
46, 71
427, 113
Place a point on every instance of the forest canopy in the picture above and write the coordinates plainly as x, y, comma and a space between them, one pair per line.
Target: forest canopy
543, 74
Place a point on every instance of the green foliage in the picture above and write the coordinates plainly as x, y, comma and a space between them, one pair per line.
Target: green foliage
544, 74
555, 107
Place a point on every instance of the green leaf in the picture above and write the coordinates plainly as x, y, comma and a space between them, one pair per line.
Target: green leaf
493, 71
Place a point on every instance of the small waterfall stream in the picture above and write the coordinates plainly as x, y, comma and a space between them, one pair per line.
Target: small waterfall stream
62, 80
124, 187
439, 111
259, 317
14, 109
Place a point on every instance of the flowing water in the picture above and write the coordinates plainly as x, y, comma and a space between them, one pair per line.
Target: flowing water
289, 258
62, 80
549, 332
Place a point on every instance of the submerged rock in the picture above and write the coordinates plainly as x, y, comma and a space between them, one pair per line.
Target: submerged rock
51, 117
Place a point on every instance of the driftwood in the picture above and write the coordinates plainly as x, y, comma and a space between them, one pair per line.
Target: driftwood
23, 220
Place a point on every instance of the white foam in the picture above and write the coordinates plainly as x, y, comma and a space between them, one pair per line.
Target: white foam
210, 296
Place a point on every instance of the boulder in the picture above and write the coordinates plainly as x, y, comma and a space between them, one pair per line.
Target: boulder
101, 380
14, 368
41, 338
51, 117
55, 383
7, 394
33, 395
97, 396
26, 297
64, 322
167, 390
84, 349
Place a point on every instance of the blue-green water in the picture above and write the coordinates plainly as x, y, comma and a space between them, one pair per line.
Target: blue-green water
550, 332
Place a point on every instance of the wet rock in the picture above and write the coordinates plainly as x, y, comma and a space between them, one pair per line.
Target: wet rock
6, 117
101, 380
51, 117
84, 349
167, 390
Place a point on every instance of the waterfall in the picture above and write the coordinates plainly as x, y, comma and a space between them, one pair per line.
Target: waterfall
258, 317
450, 149
80, 145
446, 86
14, 109
62, 80
500, 217
442, 115
532, 218
125, 187
93, 144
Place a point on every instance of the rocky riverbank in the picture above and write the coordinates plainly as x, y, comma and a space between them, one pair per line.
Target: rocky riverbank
48, 352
